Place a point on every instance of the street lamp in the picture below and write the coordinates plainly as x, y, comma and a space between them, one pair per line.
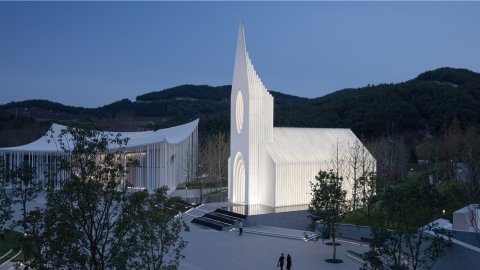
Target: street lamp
201, 186
186, 187
194, 179
25, 257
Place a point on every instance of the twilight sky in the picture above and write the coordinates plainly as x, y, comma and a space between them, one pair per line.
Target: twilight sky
93, 53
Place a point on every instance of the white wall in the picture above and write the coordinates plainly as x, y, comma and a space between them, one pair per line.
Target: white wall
293, 182
266, 179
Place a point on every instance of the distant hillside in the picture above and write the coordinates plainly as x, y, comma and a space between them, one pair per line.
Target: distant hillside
153, 110
188, 92
427, 102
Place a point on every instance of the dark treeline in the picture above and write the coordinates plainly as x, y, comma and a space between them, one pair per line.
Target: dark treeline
424, 105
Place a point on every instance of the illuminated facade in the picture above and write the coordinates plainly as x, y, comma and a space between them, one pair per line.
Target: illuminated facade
166, 157
267, 165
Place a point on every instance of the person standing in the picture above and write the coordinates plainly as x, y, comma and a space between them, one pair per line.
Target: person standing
240, 228
281, 260
289, 262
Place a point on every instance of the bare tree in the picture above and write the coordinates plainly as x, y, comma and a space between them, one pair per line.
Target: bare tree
214, 157
337, 160
353, 163
391, 155
471, 158
428, 152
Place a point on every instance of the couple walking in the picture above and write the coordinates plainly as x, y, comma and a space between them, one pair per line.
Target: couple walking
281, 261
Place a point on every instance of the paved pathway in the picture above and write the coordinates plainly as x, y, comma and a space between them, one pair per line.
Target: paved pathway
7, 266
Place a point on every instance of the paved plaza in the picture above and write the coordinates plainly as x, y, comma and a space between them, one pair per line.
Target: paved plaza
210, 249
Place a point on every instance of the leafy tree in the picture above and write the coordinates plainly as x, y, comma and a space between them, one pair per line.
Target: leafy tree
93, 222
32, 240
403, 235
82, 217
5, 198
328, 204
24, 188
155, 241
368, 186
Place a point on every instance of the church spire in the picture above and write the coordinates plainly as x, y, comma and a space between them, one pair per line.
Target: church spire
241, 47
241, 53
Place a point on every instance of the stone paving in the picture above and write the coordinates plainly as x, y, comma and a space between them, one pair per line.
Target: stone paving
210, 249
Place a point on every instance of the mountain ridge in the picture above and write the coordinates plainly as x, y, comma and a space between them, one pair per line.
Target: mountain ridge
426, 102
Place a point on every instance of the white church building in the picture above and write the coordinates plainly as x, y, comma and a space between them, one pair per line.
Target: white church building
273, 166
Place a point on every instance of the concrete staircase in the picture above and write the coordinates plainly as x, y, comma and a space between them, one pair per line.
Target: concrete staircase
213, 217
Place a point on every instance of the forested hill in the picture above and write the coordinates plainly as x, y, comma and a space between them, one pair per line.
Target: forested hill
427, 102
153, 110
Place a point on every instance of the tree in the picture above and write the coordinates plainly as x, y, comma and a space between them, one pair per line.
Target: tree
452, 141
155, 239
88, 221
81, 217
368, 186
328, 204
24, 188
392, 159
471, 157
452, 149
403, 235
32, 240
359, 165
353, 164
5, 198
214, 157
462, 149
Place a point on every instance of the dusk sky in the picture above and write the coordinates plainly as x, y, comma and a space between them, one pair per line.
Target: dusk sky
93, 53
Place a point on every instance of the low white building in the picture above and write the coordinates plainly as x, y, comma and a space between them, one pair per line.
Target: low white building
274, 166
166, 157
467, 218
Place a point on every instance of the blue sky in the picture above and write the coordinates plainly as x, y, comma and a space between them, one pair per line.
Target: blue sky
94, 53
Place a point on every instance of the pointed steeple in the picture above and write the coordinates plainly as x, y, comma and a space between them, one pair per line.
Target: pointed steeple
251, 125
241, 47
241, 53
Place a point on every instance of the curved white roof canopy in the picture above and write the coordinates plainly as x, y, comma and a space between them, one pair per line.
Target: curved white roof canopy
170, 135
